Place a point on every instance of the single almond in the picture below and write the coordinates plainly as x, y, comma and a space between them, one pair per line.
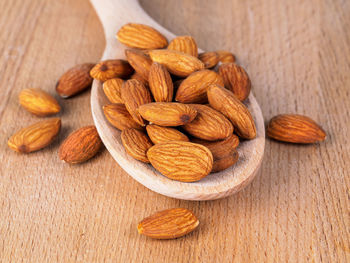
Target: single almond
38, 102
210, 59
139, 61
112, 89
109, 69
226, 102
160, 83
168, 224
141, 36
81, 145
36, 136
159, 134
167, 113
181, 161
295, 128
194, 88
185, 44
135, 94
75, 80
136, 144
236, 79
178, 63
225, 162
119, 117
209, 124
225, 56
140, 78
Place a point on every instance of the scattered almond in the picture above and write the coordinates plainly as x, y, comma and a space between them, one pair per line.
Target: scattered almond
109, 69
159, 134
185, 44
160, 83
210, 59
112, 89
119, 117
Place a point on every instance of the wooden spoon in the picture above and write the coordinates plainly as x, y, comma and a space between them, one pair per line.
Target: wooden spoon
113, 15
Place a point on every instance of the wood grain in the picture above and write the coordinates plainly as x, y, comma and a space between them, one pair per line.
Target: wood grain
297, 209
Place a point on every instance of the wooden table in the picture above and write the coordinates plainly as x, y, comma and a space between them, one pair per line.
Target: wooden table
297, 209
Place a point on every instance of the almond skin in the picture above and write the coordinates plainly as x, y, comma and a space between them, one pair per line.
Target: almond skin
226, 102
181, 161
184, 44
119, 117
140, 78
36, 136
210, 59
168, 224
295, 128
178, 63
112, 89
109, 69
220, 149
134, 94
136, 144
194, 88
160, 83
159, 134
38, 102
75, 80
225, 56
235, 79
81, 145
167, 113
141, 36
139, 61
209, 124
225, 162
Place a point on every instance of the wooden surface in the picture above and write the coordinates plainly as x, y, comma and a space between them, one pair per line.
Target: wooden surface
297, 54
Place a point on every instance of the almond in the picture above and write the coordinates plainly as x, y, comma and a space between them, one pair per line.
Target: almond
159, 134
36, 136
38, 102
181, 161
160, 83
225, 56
136, 144
168, 224
134, 94
109, 69
112, 89
141, 36
139, 61
194, 88
236, 79
226, 102
75, 80
119, 117
209, 124
225, 162
178, 63
219, 149
81, 145
185, 44
167, 113
295, 129
140, 78
210, 59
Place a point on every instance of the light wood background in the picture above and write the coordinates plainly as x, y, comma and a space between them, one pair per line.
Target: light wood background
297, 209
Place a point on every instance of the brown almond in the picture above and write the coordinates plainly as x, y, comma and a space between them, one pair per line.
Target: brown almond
141, 36
75, 80
209, 124
178, 63
225, 162
112, 89
236, 79
295, 128
225, 56
193, 89
139, 61
160, 83
139, 78
168, 224
210, 59
181, 161
167, 113
185, 44
226, 102
135, 94
36, 136
109, 69
38, 102
159, 134
136, 144
119, 117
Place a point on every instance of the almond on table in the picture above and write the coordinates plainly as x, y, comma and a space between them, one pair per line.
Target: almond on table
112, 68
185, 44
